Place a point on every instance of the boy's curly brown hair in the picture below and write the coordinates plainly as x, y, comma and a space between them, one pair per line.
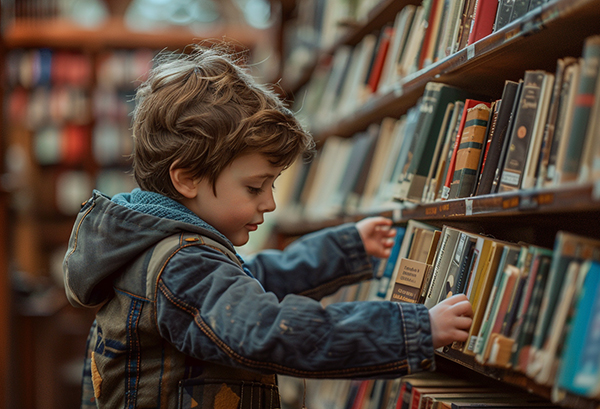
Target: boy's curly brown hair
201, 110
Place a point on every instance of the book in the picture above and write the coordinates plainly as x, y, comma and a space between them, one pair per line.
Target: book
537, 134
402, 25
381, 54
374, 173
432, 14
503, 13
506, 142
443, 256
489, 135
405, 154
555, 99
436, 98
425, 379
487, 272
563, 122
584, 101
484, 16
498, 347
579, 370
447, 152
497, 303
409, 58
469, 151
468, 104
441, 140
410, 228
465, 25
519, 9
409, 280
548, 353
458, 265
526, 129
384, 280
448, 27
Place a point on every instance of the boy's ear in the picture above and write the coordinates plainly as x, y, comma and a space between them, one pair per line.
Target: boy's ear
183, 182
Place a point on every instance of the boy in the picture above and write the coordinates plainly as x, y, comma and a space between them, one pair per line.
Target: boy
182, 320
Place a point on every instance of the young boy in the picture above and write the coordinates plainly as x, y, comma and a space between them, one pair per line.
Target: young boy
182, 321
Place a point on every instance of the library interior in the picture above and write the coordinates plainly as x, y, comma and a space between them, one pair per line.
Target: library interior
474, 125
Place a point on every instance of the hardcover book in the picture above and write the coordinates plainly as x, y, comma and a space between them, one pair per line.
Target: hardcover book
524, 130
469, 151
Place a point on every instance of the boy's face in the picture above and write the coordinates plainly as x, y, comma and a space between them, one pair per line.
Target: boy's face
244, 192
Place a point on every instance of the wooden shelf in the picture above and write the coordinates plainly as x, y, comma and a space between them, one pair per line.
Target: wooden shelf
56, 33
535, 41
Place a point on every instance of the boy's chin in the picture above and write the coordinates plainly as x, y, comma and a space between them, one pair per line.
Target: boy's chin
240, 240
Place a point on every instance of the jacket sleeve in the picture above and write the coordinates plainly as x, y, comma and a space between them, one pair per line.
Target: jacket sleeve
315, 265
208, 308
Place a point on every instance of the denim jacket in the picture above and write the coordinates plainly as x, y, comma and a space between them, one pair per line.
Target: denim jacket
190, 323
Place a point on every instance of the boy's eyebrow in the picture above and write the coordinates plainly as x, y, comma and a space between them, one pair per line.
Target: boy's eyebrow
264, 176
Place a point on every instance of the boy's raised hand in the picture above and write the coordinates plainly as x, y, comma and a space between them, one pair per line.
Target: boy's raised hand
451, 320
377, 235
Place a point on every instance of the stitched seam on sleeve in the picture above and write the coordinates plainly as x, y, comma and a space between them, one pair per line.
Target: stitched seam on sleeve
205, 328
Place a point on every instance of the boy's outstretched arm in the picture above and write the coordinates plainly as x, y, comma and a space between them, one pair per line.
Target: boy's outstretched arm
377, 235
451, 320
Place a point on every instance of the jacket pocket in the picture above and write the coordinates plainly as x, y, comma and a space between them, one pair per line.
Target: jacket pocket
227, 394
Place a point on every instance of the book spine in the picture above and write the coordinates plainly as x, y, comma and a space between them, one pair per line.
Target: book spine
469, 151
520, 139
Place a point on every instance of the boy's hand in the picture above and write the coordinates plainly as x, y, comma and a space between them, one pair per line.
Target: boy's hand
377, 235
451, 320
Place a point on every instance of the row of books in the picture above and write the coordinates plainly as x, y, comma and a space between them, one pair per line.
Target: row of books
111, 144
536, 315
37, 67
41, 66
419, 36
425, 390
542, 132
534, 308
318, 25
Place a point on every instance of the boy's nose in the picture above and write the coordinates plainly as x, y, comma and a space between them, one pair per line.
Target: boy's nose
268, 204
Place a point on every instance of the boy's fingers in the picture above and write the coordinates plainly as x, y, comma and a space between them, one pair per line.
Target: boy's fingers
463, 322
463, 308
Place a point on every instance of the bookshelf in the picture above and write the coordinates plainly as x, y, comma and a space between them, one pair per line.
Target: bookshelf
67, 131
535, 41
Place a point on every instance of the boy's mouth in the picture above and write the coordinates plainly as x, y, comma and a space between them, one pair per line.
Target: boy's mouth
252, 226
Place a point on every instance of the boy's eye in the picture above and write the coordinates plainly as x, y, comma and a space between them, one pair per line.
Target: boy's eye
255, 190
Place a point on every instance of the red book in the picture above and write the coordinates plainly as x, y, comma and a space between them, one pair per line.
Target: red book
428, 39
483, 20
379, 62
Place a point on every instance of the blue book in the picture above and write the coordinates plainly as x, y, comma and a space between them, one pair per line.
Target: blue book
386, 277
579, 371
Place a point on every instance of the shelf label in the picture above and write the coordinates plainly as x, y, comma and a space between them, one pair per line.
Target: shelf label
510, 203
468, 207
397, 215
545, 198
470, 51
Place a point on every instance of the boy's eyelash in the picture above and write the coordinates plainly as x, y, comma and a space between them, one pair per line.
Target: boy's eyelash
258, 190
255, 190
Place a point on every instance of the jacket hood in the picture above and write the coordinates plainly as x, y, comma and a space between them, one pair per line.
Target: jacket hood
109, 234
